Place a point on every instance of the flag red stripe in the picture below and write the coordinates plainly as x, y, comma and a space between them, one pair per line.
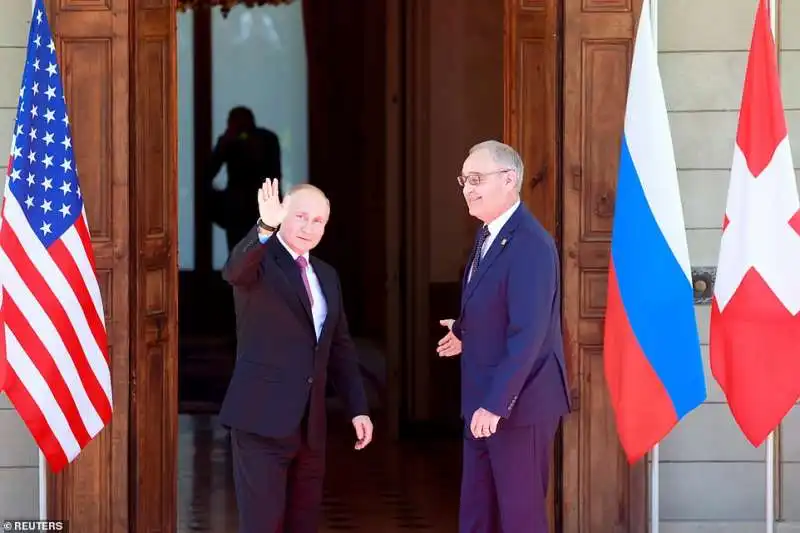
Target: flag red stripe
3, 358
66, 263
43, 361
34, 419
644, 411
83, 233
58, 316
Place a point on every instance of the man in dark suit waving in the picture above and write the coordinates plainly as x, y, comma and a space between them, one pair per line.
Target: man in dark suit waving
513, 377
292, 335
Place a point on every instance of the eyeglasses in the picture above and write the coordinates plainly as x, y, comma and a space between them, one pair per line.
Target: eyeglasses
476, 178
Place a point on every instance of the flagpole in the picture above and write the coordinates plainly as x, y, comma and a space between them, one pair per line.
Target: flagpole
770, 483
42, 487
654, 485
655, 470
42, 461
772, 21
770, 459
654, 23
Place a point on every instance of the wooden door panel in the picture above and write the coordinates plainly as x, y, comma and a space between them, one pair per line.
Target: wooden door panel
154, 344
531, 124
92, 45
532, 100
602, 494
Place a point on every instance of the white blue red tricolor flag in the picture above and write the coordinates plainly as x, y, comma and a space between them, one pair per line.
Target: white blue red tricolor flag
755, 314
54, 364
653, 364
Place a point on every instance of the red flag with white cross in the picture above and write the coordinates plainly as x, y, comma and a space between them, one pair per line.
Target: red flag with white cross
755, 325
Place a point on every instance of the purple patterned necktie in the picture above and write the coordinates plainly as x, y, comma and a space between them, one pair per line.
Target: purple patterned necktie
303, 265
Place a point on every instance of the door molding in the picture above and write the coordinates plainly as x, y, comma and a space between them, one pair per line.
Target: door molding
416, 371
532, 103
394, 174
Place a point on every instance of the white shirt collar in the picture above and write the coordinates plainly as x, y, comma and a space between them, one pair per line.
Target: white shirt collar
294, 254
496, 225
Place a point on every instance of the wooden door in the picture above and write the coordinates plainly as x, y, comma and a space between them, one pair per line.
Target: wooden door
567, 64
118, 63
532, 101
92, 45
532, 125
154, 243
601, 493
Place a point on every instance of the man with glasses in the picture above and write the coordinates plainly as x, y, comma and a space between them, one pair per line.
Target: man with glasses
513, 382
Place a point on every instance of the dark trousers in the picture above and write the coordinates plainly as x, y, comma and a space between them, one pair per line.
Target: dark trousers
504, 480
278, 482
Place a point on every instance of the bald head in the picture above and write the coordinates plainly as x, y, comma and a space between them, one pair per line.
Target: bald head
306, 189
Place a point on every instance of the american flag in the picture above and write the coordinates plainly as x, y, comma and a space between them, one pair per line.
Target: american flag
53, 340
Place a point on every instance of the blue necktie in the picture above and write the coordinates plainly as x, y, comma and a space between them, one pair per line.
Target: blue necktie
483, 234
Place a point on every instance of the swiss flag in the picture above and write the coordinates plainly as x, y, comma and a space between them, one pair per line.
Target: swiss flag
755, 326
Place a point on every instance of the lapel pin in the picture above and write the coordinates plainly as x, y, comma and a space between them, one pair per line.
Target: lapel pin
503, 242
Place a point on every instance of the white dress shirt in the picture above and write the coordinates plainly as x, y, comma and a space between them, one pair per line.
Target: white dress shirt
319, 310
494, 228
496, 225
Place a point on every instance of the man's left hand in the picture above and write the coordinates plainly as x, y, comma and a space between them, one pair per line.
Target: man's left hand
363, 427
484, 423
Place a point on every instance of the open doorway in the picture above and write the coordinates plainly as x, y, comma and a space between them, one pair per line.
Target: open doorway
376, 103
317, 116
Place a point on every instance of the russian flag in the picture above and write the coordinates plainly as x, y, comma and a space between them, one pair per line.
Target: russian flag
653, 365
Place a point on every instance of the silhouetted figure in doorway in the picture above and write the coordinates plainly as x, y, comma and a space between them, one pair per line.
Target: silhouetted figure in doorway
251, 155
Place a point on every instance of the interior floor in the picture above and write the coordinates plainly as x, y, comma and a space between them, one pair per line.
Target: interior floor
388, 487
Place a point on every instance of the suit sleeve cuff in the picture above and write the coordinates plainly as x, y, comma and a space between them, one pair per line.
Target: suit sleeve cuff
456, 329
500, 406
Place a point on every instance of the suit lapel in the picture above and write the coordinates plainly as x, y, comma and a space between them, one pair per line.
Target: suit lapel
498, 245
464, 278
327, 283
296, 290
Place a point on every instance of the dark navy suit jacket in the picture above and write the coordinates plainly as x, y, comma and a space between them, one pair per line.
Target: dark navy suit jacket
512, 361
281, 368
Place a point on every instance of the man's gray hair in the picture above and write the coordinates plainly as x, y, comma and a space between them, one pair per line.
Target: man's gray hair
503, 155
